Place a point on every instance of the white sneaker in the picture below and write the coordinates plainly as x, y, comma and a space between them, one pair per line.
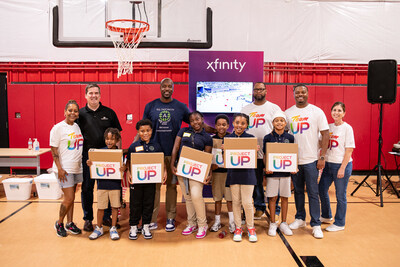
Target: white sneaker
297, 224
146, 231
113, 233
96, 233
232, 227
317, 232
133, 232
272, 229
202, 232
284, 227
153, 226
216, 226
325, 220
334, 228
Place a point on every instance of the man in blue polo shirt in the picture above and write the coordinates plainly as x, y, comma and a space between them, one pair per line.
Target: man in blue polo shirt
94, 119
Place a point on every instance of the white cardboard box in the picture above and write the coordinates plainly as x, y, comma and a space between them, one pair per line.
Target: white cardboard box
18, 188
47, 186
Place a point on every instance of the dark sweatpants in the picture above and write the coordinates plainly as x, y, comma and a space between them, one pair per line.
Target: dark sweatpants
141, 203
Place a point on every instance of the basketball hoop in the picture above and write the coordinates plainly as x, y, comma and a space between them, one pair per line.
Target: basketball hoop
126, 34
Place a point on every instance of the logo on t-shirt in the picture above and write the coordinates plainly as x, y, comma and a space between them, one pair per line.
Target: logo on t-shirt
76, 141
301, 123
333, 141
256, 119
164, 116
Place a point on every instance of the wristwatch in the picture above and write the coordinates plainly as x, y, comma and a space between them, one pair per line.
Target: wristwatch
322, 158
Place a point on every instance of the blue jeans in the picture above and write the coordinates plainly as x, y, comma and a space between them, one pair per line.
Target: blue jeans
329, 175
307, 175
258, 193
87, 192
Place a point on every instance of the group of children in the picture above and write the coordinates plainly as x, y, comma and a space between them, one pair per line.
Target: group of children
235, 185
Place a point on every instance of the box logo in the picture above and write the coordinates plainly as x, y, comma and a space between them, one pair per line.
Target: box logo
105, 170
240, 158
146, 173
280, 162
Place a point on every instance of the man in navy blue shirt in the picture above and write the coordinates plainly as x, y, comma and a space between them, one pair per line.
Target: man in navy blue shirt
167, 115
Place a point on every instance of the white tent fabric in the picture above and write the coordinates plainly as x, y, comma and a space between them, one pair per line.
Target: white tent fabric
286, 30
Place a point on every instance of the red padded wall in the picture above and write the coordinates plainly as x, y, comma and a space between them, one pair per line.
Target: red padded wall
358, 115
21, 99
44, 119
277, 95
124, 99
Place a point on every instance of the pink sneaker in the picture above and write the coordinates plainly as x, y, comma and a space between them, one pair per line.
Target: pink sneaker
189, 230
202, 232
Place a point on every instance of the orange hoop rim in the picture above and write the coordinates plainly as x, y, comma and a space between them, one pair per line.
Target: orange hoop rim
128, 30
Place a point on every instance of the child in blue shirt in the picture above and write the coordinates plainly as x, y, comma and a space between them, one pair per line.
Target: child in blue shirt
278, 183
242, 182
141, 202
108, 190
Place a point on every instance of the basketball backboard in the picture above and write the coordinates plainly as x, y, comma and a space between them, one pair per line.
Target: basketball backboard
173, 23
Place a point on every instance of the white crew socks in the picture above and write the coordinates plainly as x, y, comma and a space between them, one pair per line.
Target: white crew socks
230, 214
218, 218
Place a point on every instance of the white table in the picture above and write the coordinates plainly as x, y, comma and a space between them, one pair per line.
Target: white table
21, 157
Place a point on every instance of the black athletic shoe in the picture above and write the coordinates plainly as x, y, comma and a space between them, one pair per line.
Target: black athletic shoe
88, 226
60, 229
72, 228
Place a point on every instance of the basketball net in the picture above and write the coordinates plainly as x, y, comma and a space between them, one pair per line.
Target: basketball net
126, 38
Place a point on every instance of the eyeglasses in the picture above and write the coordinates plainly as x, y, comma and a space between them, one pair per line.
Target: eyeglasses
258, 90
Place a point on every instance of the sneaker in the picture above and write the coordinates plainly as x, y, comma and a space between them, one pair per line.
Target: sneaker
88, 226
96, 233
232, 227
60, 229
189, 230
272, 229
170, 227
334, 228
297, 224
252, 234
216, 226
146, 232
153, 226
325, 220
113, 233
201, 233
72, 228
133, 232
237, 236
317, 232
258, 214
285, 229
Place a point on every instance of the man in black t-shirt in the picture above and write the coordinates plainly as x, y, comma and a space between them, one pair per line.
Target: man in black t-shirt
94, 119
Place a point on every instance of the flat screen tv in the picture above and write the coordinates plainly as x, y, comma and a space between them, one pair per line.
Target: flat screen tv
223, 97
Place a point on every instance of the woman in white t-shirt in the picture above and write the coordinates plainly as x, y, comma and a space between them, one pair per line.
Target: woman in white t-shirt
66, 144
337, 169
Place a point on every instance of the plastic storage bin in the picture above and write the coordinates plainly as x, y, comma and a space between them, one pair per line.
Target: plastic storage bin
48, 187
18, 188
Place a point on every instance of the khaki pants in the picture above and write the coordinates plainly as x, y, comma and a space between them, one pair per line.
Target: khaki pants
195, 207
242, 195
170, 196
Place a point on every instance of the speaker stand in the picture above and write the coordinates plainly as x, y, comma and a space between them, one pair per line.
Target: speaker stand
378, 169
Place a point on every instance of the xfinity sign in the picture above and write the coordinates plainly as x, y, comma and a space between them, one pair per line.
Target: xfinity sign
225, 65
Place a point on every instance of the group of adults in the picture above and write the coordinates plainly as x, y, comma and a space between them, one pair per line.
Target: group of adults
306, 121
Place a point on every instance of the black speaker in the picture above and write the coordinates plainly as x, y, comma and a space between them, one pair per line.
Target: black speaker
382, 81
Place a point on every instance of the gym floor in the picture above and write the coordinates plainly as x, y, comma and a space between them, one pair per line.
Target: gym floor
371, 238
